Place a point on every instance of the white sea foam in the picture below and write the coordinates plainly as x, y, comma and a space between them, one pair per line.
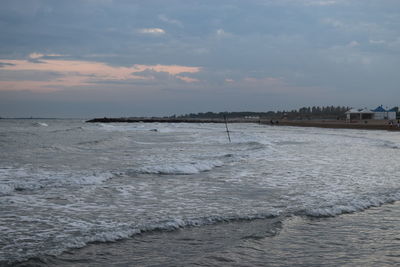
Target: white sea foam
90, 178
5, 189
40, 124
307, 172
390, 144
115, 232
123, 127
105, 143
180, 168
20, 179
352, 206
79, 128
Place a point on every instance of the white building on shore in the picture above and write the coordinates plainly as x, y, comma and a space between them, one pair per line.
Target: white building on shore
378, 113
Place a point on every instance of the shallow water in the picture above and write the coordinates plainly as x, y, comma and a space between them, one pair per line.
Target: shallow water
65, 184
369, 238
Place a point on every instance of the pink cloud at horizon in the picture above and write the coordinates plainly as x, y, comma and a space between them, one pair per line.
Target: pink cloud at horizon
187, 79
83, 73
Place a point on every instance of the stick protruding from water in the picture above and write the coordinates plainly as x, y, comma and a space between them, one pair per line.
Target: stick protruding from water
227, 130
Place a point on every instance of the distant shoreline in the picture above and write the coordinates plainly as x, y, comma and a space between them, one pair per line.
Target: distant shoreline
175, 120
333, 124
341, 124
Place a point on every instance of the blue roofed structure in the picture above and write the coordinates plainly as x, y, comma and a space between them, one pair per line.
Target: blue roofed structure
380, 109
382, 114
378, 113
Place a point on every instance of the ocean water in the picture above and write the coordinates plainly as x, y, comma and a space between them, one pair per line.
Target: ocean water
79, 194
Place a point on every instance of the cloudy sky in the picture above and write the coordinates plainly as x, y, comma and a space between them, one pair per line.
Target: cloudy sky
83, 58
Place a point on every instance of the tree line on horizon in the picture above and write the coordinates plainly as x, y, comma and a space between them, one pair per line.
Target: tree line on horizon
331, 112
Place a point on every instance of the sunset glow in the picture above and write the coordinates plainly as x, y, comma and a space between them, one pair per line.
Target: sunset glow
82, 73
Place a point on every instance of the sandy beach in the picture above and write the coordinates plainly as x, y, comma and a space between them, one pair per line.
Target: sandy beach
341, 124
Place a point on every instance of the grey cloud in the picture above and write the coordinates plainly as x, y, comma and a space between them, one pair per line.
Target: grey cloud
4, 64
304, 41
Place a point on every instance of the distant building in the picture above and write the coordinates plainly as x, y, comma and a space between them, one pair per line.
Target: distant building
393, 112
359, 114
376, 114
252, 117
382, 114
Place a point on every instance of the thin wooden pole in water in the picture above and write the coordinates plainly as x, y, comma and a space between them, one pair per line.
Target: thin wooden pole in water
227, 130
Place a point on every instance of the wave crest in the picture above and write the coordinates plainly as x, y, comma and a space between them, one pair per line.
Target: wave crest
179, 168
352, 206
21, 179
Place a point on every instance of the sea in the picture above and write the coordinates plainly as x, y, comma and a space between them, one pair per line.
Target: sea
180, 194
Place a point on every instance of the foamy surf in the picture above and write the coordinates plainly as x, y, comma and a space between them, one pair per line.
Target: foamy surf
40, 124
179, 168
6, 189
22, 179
355, 205
113, 232
61, 189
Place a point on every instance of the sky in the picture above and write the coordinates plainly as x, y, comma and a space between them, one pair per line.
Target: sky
95, 58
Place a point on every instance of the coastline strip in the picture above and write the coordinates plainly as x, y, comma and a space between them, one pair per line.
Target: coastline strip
332, 124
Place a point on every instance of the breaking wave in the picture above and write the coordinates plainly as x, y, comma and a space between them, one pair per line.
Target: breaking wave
353, 206
112, 233
20, 179
179, 168
40, 124
79, 128
390, 144
105, 143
